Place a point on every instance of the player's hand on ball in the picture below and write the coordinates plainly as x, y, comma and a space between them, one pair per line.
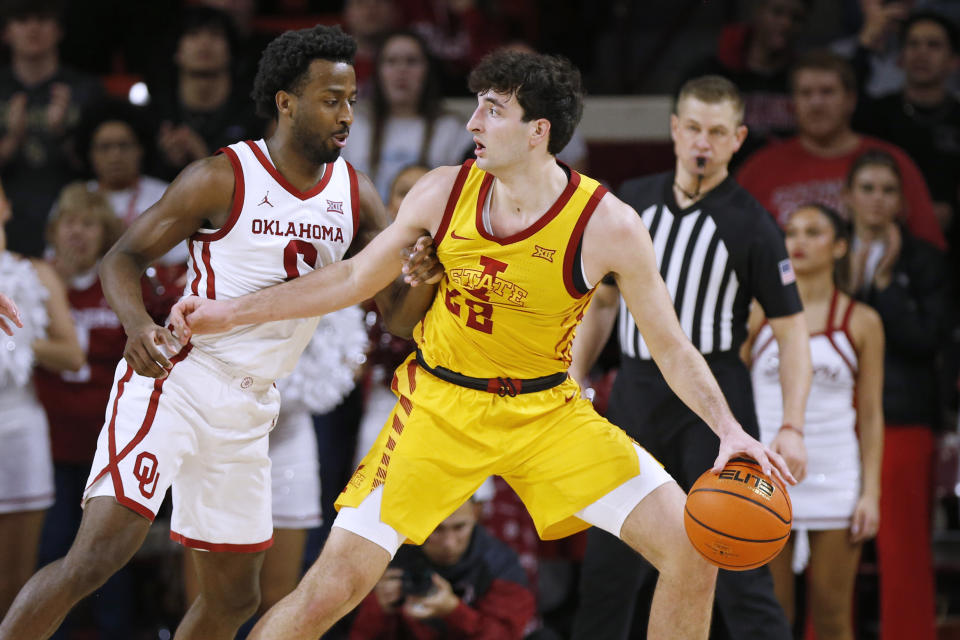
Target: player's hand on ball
148, 350
735, 441
420, 263
193, 315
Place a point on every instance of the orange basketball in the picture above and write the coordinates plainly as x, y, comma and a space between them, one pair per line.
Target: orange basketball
739, 519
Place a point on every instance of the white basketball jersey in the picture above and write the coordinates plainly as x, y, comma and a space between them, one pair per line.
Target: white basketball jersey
274, 233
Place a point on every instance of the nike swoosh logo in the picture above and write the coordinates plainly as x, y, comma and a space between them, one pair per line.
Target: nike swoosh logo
453, 234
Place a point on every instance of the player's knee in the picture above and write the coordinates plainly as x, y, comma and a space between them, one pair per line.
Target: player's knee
237, 602
685, 563
86, 570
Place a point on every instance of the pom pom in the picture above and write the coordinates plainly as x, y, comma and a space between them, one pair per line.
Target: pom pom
19, 281
326, 371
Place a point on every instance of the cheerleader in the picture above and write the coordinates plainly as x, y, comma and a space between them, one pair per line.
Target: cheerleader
46, 339
836, 507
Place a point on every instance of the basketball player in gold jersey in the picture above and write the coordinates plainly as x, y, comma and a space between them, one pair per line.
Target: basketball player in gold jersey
523, 241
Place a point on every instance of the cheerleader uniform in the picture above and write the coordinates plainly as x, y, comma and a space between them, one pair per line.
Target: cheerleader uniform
26, 465
827, 497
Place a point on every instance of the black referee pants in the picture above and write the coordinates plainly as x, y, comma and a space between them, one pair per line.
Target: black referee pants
613, 574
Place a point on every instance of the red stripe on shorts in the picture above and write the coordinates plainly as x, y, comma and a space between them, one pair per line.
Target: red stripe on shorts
113, 466
220, 546
406, 404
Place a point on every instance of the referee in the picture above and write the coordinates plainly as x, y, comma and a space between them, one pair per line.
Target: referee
717, 249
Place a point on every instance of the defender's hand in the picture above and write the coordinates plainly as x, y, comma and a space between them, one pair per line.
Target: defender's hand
420, 263
148, 349
193, 315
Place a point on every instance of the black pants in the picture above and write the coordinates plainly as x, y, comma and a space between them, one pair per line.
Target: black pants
613, 574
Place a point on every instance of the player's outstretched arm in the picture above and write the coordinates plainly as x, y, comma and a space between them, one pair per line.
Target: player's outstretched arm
201, 194
8, 309
401, 304
631, 260
334, 286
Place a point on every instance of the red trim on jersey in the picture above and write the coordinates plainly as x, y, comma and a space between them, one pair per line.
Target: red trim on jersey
113, 466
195, 285
283, 182
575, 237
235, 207
354, 199
543, 221
211, 280
452, 201
220, 546
845, 323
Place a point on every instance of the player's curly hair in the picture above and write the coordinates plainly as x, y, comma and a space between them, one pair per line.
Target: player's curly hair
286, 60
545, 86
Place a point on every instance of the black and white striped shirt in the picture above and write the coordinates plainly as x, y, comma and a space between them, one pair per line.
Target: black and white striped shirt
715, 256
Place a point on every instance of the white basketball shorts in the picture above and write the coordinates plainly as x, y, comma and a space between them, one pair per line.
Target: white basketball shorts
26, 466
202, 430
295, 471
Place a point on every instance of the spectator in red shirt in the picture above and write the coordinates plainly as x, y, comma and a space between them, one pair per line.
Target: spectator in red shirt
812, 166
462, 583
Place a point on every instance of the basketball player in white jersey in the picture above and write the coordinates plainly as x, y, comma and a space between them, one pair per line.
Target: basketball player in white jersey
256, 214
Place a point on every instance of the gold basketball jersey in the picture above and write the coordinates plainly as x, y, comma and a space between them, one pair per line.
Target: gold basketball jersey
508, 306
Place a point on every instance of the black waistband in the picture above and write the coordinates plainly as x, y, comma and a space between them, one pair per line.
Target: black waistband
500, 386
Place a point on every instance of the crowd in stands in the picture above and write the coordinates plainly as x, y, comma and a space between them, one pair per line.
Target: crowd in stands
83, 152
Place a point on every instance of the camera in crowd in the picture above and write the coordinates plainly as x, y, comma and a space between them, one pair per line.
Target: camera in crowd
418, 581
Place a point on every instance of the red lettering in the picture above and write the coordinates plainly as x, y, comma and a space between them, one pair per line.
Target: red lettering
257, 226
305, 231
339, 237
491, 268
291, 229
145, 470
290, 253
451, 305
480, 316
